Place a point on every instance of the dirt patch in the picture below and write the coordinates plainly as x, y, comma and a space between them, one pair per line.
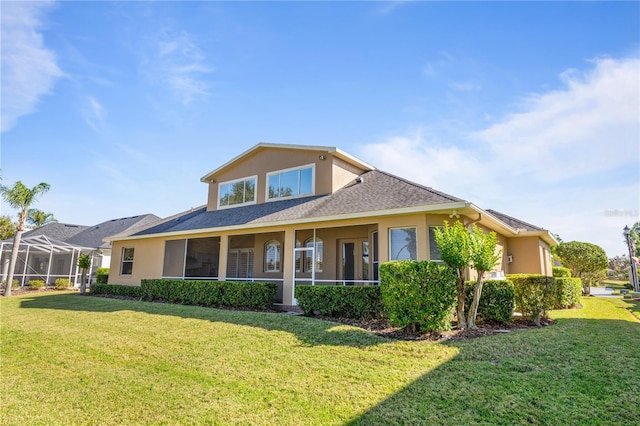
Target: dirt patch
381, 327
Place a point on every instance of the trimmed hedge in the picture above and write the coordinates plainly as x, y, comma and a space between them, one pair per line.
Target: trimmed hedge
62, 283
497, 302
36, 284
253, 295
568, 292
420, 295
117, 290
535, 294
355, 302
561, 273
102, 275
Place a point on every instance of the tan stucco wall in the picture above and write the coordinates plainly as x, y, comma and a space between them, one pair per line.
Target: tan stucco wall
329, 173
148, 257
530, 256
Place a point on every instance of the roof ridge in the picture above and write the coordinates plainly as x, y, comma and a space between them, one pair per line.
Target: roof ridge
495, 212
417, 185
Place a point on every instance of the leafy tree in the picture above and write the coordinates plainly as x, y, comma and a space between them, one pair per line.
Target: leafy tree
483, 258
634, 236
585, 261
620, 266
38, 218
7, 227
84, 263
454, 243
20, 197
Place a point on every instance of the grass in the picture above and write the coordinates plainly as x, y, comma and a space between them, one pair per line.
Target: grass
69, 359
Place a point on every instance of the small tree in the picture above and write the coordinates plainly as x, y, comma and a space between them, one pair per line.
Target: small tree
8, 228
38, 218
20, 197
84, 263
585, 260
483, 258
454, 244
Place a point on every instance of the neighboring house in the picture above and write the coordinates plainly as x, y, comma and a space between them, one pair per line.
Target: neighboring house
300, 215
52, 251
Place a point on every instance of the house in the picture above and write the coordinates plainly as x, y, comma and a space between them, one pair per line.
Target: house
310, 215
51, 251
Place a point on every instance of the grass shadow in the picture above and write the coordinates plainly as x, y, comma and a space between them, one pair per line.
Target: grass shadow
580, 371
309, 331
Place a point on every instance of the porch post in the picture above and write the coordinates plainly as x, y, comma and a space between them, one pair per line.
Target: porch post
49, 264
288, 282
73, 253
222, 257
26, 263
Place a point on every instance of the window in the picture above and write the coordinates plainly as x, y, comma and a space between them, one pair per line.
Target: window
298, 257
402, 244
376, 259
308, 260
237, 192
127, 261
272, 256
290, 183
434, 250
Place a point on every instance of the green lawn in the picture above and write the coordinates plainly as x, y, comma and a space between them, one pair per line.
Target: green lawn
69, 359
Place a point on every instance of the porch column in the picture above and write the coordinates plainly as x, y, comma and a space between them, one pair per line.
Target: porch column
26, 263
222, 257
288, 284
49, 264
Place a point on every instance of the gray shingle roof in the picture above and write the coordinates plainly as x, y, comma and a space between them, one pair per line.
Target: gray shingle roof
56, 231
376, 191
513, 222
93, 236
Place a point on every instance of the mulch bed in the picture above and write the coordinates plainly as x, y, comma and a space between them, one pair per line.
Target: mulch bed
381, 327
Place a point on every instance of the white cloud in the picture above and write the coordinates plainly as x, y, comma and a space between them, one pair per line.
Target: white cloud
557, 162
29, 70
180, 63
94, 114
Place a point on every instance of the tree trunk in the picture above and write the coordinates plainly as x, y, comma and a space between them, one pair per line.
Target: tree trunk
13, 261
473, 309
83, 282
462, 324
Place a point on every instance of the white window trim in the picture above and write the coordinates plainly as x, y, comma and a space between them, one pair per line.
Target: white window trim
415, 228
122, 261
247, 203
313, 182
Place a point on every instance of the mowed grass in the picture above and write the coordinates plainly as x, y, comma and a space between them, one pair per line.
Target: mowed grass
69, 359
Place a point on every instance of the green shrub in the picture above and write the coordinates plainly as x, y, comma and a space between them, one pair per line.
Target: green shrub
36, 284
420, 295
117, 290
497, 302
357, 302
62, 283
252, 295
102, 275
15, 283
535, 294
559, 272
568, 292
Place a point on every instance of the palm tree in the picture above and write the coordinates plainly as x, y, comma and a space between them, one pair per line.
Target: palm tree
38, 218
19, 197
84, 262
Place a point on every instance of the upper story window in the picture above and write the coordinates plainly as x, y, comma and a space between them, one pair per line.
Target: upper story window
237, 192
290, 183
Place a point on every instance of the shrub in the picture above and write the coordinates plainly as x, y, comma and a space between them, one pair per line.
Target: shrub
356, 302
535, 294
420, 295
102, 275
36, 284
253, 295
497, 302
568, 292
62, 283
15, 283
559, 272
117, 290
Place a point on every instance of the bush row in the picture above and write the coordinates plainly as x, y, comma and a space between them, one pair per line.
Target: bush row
102, 275
418, 294
559, 272
497, 302
254, 295
355, 302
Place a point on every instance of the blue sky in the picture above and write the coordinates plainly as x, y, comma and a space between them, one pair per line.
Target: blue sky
532, 109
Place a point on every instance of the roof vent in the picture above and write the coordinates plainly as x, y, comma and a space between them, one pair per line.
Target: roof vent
359, 179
